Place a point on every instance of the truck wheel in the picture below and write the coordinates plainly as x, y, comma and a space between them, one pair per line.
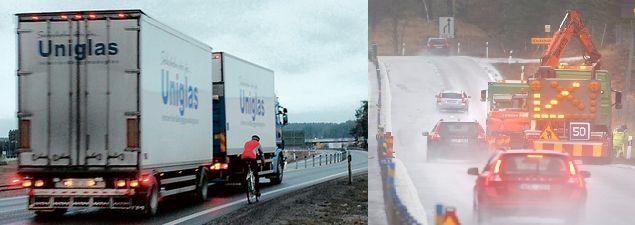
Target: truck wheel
152, 201
201, 187
50, 213
279, 175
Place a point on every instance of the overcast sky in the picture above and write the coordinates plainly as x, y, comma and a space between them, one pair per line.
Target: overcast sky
317, 49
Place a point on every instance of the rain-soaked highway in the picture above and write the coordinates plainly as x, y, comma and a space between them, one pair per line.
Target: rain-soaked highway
414, 80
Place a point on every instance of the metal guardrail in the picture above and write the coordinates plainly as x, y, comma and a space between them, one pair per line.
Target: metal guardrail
396, 212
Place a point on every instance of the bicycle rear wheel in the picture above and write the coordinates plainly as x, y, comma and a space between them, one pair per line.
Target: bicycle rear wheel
251, 187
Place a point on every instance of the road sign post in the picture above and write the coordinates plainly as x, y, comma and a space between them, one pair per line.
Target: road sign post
350, 175
579, 131
487, 49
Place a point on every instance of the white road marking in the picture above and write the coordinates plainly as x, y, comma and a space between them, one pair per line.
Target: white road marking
192, 216
12, 198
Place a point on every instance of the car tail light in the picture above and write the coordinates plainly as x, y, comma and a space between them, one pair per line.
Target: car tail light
572, 171
132, 133
434, 136
481, 136
133, 183
573, 177
25, 134
495, 175
534, 156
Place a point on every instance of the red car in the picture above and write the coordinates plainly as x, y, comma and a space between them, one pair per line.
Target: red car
530, 183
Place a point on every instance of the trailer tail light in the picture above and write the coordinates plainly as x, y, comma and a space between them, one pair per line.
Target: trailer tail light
92, 16
35, 18
27, 183
91, 183
15, 180
132, 131
79, 17
145, 180
120, 183
68, 183
219, 166
64, 17
38, 183
121, 15
25, 134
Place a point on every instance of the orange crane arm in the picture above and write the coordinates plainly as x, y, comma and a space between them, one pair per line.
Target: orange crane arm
571, 26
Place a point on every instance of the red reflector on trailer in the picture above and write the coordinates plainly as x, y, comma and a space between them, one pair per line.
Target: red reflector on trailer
121, 15
78, 16
64, 17
92, 16
35, 17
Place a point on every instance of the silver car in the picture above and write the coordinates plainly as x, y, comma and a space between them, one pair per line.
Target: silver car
453, 100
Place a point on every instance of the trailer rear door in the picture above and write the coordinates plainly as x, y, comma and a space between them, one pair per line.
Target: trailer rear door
78, 90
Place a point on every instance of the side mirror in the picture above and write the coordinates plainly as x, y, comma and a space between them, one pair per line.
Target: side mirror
472, 171
285, 119
585, 174
284, 110
425, 133
483, 95
618, 100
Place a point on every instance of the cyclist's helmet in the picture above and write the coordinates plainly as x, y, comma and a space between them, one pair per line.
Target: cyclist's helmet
255, 137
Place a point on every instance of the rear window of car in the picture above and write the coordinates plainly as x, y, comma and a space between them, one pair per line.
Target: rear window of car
534, 164
436, 41
458, 129
451, 95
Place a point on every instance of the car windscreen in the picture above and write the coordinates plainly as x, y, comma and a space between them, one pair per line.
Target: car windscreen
468, 129
451, 95
534, 164
436, 41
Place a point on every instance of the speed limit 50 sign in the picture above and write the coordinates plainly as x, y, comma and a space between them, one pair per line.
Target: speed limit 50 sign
579, 131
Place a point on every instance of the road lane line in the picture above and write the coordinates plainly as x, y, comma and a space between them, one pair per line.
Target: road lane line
192, 216
12, 198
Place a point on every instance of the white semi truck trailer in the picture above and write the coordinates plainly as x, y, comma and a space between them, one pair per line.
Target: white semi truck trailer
245, 104
114, 110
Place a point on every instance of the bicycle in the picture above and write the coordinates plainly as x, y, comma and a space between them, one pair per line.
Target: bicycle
250, 184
